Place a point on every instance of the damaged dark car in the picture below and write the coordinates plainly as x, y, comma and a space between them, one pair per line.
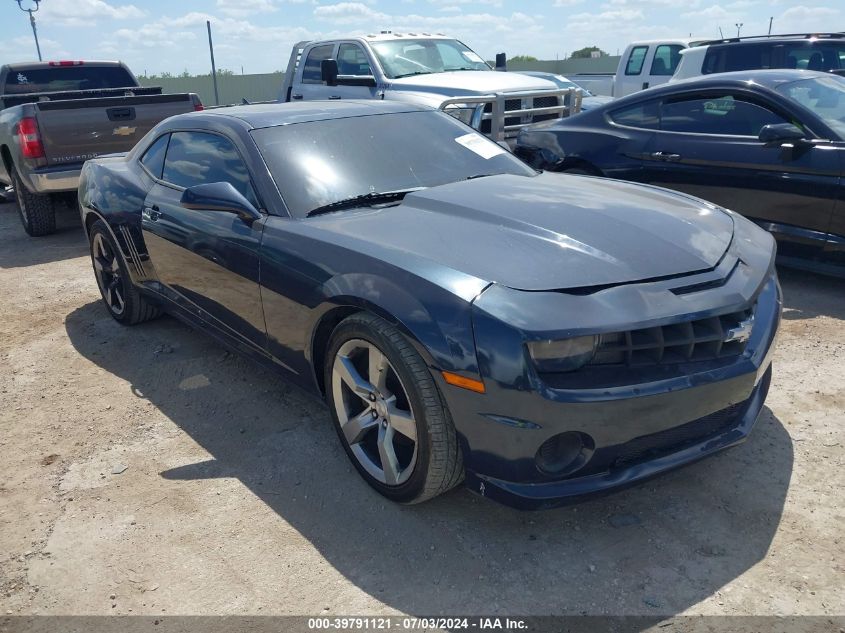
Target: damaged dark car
540, 337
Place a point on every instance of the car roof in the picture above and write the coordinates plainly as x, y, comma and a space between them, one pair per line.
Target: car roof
789, 37
274, 114
768, 79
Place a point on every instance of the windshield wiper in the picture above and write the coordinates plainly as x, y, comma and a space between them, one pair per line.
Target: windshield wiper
448, 70
365, 199
416, 72
474, 176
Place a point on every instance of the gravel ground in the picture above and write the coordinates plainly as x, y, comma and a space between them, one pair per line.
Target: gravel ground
148, 471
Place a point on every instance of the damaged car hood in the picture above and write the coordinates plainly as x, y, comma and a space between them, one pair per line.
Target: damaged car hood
548, 232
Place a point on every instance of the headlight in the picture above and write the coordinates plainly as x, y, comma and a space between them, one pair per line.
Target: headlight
466, 113
563, 355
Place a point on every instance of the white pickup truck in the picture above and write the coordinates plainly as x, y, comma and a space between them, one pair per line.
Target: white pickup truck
643, 65
432, 70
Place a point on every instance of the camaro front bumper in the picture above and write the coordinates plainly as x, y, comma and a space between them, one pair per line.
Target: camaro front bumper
636, 429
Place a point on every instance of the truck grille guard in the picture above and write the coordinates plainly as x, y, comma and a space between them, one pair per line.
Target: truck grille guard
502, 121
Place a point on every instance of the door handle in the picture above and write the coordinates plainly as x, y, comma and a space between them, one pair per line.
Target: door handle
296, 96
151, 213
645, 85
668, 157
333, 97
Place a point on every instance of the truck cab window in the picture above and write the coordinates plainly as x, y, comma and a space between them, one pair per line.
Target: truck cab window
311, 73
636, 60
666, 59
195, 158
351, 60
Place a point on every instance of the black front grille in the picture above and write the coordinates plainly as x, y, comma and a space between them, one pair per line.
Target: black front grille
701, 339
545, 102
675, 439
647, 447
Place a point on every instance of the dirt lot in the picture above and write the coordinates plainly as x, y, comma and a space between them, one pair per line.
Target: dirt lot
146, 470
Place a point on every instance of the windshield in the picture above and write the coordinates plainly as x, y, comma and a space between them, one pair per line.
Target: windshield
825, 97
322, 162
406, 57
67, 78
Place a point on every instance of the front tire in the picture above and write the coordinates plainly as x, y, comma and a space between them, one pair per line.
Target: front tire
37, 211
122, 298
388, 412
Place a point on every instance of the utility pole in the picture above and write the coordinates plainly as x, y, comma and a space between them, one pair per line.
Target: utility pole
32, 22
213, 67
738, 26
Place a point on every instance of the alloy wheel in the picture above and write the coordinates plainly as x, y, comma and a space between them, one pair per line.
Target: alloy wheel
107, 271
374, 411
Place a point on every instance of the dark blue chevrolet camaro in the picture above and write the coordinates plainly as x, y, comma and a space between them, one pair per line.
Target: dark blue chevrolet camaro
540, 336
769, 144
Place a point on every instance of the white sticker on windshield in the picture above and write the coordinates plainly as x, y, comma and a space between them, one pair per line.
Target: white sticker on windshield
480, 145
473, 57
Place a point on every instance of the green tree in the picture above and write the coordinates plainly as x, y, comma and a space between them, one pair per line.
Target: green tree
522, 58
587, 52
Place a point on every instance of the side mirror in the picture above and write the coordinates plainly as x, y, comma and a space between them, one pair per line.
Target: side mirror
328, 71
501, 62
779, 133
219, 196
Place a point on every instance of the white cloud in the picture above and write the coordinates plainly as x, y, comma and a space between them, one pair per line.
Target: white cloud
245, 8
349, 13
87, 12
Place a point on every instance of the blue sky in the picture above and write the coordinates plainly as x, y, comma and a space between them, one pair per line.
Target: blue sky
169, 35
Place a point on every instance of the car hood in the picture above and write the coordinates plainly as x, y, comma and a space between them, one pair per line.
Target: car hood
549, 232
470, 82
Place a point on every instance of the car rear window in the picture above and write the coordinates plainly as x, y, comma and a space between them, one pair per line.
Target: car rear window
819, 55
67, 78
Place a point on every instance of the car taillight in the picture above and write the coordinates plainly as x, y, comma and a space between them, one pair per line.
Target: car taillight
198, 107
30, 139
66, 63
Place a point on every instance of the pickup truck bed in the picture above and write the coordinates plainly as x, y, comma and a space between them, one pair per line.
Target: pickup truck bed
47, 135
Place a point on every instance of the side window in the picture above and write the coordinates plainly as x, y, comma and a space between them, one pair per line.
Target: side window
194, 158
721, 114
351, 60
311, 71
666, 59
636, 60
643, 115
153, 158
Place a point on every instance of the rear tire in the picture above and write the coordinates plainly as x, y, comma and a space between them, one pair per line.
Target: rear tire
37, 211
122, 298
388, 412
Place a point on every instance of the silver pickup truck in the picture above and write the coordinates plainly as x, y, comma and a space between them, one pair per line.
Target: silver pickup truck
56, 115
425, 69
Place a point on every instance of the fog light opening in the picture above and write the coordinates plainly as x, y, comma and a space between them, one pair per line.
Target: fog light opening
565, 453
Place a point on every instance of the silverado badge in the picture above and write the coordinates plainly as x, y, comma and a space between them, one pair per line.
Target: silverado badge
124, 130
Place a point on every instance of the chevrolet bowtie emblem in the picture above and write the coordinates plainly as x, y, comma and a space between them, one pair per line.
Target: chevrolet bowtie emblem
124, 130
742, 332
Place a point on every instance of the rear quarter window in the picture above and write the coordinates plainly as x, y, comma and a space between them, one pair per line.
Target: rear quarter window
636, 60
645, 115
153, 158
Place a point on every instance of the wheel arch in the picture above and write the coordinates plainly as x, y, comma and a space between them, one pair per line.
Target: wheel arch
454, 351
6, 157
